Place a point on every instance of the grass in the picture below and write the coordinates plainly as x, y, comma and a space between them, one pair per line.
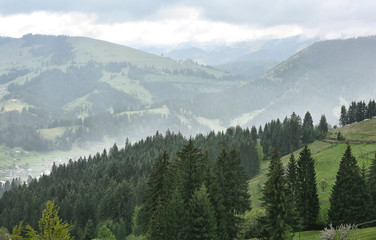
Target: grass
52, 133
362, 131
39, 162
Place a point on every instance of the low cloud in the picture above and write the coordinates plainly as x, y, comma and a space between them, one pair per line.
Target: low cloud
200, 22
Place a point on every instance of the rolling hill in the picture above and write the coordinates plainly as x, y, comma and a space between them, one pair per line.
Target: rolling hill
76, 77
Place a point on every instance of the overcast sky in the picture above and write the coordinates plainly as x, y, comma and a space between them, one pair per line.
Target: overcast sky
169, 23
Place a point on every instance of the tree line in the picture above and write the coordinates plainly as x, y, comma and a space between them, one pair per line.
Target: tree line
109, 188
291, 134
357, 112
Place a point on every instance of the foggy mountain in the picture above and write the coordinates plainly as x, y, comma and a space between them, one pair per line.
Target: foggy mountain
251, 59
318, 79
94, 89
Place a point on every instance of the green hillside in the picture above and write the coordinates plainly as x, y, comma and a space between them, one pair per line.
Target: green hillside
327, 154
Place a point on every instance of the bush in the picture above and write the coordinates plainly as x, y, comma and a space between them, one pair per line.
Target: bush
343, 232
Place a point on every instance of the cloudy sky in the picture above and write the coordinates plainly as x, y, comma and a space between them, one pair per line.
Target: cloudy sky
163, 23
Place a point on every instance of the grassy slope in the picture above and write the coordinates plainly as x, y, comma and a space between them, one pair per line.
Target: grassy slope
16, 56
327, 155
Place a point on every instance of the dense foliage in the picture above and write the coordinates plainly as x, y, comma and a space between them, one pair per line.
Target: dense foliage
207, 197
291, 134
108, 187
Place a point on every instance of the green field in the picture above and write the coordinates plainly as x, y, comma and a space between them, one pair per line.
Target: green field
16, 162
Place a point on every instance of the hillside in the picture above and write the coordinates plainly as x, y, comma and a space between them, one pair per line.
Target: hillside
71, 78
327, 155
320, 78
60, 93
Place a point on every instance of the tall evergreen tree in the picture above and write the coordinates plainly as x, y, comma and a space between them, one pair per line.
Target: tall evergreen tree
351, 113
156, 196
308, 134
191, 166
371, 181
292, 175
233, 187
343, 119
307, 197
371, 109
296, 125
203, 225
176, 217
349, 199
254, 134
278, 206
323, 125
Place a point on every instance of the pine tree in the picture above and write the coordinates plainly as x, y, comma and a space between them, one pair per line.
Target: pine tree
50, 225
323, 127
351, 113
177, 217
371, 181
307, 197
191, 166
349, 199
157, 193
233, 188
292, 175
307, 128
343, 119
254, 135
202, 220
279, 210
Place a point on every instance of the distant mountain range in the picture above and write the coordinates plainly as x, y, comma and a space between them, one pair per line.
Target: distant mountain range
251, 59
65, 80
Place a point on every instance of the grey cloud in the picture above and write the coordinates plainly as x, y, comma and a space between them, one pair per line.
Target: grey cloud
262, 13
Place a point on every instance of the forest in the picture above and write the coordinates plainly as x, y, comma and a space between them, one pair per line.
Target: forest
168, 186
109, 187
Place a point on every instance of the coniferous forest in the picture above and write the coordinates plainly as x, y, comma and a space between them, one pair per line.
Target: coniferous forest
171, 187
205, 175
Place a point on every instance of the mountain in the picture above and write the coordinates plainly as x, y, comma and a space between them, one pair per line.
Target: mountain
70, 78
61, 93
251, 59
319, 79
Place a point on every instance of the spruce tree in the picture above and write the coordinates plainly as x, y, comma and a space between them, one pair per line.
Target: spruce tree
190, 163
254, 135
279, 210
371, 181
308, 134
176, 217
349, 199
307, 197
322, 127
233, 188
202, 220
343, 119
292, 175
156, 196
